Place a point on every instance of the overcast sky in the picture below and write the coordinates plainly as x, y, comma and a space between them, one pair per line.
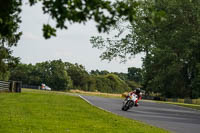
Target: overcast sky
70, 45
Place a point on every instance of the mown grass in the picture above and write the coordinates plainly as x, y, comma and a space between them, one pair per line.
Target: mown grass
51, 112
193, 106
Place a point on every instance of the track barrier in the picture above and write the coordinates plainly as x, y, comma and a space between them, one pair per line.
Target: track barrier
10, 86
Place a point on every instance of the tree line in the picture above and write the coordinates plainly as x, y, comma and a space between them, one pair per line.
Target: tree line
165, 31
63, 76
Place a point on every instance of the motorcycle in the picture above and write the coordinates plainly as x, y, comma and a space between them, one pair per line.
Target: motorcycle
130, 101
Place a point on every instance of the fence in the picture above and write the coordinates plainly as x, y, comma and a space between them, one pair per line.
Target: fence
10, 86
31, 86
4, 86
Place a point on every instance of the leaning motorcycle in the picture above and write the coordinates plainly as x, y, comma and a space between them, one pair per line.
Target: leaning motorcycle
129, 102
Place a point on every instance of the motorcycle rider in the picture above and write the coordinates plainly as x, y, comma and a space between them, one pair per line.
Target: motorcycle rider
137, 92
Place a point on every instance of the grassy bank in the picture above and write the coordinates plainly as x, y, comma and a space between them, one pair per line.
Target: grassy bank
193, 106
51, 112
101, 94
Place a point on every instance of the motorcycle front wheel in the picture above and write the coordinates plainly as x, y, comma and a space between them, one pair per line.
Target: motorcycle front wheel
125, 106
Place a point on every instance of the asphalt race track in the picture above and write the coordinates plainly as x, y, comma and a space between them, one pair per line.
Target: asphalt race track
171, 117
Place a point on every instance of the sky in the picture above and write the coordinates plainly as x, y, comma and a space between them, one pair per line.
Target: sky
71, 45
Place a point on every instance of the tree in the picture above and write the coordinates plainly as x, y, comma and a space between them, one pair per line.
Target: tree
59, 79
133, 85
122, 76
9, 35
135, 74
52, 73
7, 63
110, 83
103, 12
9, 22
98, 72
168, 33
22, 72
94, 72
78, 74
196, 83
117, 85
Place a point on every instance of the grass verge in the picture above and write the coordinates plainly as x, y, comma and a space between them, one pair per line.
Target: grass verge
51, 112
101, 94
193, 106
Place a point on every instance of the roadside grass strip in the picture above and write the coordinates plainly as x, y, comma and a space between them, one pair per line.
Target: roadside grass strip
45, 112
101, 94
193, 106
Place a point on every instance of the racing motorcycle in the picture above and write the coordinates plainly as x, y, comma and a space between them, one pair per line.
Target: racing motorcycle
130, 101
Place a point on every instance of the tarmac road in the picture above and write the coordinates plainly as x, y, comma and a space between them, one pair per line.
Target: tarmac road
171, 117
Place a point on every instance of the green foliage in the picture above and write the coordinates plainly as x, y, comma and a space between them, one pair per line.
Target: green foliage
123, 76
51, 73
174, 54
133, 85
22, 72
78, 74
133, 78
64, 76
7, 63
48, 31
97, 80
196, 82
9, 35
57, 76
135, 74
97, 72
111, 83
103, 12
9, 22
117, 84
167, 32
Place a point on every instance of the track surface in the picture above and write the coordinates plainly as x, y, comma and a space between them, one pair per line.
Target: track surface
173, 118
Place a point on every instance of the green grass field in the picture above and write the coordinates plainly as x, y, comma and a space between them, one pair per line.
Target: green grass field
51, 112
